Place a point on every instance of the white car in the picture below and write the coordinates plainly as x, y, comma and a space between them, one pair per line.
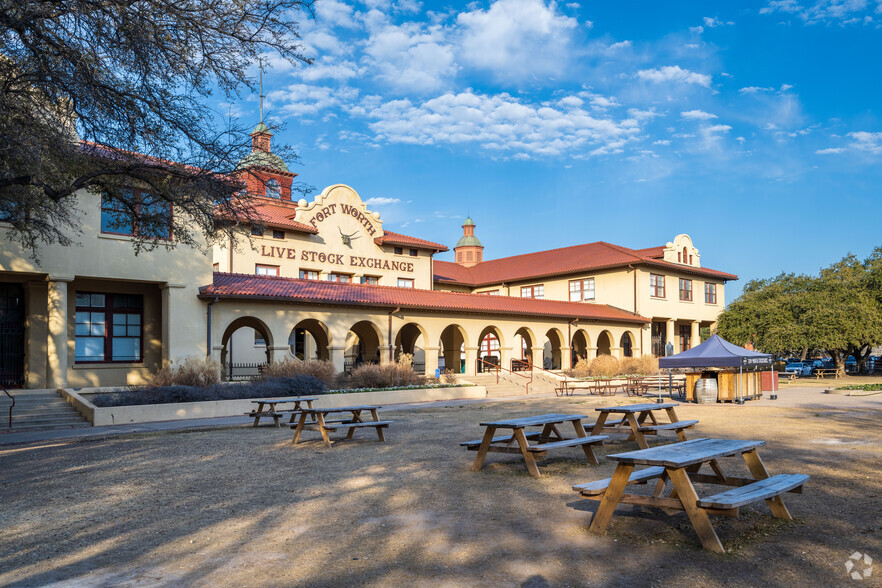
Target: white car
799, 368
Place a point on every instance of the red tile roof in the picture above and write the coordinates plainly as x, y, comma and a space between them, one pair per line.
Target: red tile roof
281, 214
246, 286
390, 238
554, 262
654, 252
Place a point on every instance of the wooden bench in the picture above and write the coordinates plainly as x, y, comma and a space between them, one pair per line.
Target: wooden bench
603, 388
591, 440
823, 373
473, 445
651, 384
788, 377
608, 424
378, 425
636, 477
754, 492
679, 427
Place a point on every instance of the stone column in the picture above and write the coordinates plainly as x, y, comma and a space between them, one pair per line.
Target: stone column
471, 354
385, 356
669, 333
538, 356
279, 353
695, 339
616, 352
592, 352
173, 316
505, 357
56, 373
431, 354
337, 357
566, 358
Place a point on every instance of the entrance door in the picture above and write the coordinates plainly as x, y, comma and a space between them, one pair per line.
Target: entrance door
12, 335
658, 339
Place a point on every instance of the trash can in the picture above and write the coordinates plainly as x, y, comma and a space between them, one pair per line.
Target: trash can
770, 381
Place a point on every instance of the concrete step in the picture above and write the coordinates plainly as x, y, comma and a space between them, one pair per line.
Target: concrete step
41, 410
25, 428
74, 417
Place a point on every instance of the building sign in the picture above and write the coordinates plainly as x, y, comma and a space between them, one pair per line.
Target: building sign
336, 259
332, 209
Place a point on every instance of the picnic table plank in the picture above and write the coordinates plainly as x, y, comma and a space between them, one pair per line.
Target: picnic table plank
631, 408
533, 421
754, 492
686, 453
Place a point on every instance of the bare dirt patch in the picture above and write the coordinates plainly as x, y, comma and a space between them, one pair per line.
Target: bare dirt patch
242, 506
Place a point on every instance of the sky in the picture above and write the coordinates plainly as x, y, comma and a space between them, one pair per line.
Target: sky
753, 127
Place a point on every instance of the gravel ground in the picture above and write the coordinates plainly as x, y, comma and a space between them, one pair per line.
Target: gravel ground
242, 506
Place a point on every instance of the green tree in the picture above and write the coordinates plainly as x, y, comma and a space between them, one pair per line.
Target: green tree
103, 95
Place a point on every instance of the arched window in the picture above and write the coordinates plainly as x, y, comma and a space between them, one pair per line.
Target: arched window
685, 255
273, 190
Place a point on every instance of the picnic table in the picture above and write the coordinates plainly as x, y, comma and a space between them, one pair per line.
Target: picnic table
272, 408
598, 387
681, 462
788, 377
548, 438
824, 372
650, 385
635, 415
321, 424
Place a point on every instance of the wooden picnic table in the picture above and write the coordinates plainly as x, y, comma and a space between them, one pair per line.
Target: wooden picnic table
635, 415
321, 424
681, 462
272, 406
824, 372
598, 387
548, 438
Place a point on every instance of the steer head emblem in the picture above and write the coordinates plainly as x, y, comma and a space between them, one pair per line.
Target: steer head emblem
347, 239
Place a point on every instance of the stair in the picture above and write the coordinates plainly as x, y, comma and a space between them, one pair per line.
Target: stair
511, 385
38, 410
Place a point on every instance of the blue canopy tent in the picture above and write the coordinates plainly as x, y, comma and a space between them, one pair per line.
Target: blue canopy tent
716, 352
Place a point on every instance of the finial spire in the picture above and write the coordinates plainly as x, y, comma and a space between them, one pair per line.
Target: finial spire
262, 96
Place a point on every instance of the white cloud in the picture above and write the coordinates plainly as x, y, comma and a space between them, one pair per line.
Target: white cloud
830, 151
306, 100
514, 39
713, 22
696, 30
661, 142
328, 68
409, 57
381, 201
864, 141
335, 13
674, 73
643, 115
697, 115
498, 123
764, 89
844, 12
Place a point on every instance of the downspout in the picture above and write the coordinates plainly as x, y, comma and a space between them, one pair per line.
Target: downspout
231, 253
634, 269
208, 328
570, 340
391, 343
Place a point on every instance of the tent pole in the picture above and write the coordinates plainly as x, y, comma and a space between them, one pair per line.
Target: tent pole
740, 384
659, 400
773, 395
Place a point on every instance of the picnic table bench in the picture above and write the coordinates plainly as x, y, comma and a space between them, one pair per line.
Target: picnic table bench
635, 415
323, 426
788, 377
824, 372
272, 408
652, 384
599, 387
547, 439
680, 463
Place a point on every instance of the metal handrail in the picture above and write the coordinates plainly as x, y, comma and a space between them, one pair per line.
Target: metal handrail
11, 405
498, 367
535, 367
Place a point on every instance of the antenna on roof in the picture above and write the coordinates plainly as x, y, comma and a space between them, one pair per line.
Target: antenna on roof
262, 96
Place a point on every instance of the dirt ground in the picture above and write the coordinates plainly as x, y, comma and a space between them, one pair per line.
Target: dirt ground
243, 506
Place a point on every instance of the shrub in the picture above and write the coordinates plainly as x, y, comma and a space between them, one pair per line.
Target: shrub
646, 365
581, 369
387, 375
448, 376
284, 386
191, 371
289, 368
604, 366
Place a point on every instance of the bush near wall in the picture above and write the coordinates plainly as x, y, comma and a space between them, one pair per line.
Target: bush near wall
191, 371
269, 388
607, 366
323, 370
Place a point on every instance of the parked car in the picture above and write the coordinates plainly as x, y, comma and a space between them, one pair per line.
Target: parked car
799, 368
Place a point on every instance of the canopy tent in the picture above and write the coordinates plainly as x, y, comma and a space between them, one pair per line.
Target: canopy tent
717, 352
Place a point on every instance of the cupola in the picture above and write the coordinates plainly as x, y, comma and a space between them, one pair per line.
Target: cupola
469, 251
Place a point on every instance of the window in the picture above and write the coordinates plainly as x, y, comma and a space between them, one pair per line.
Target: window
582, 290
215, 267
399, 251
277, 234
108, 327
257, 231
273, 190
685, 337
266, 270
685, 290
710, 293
489, 293
413, 252
656, 286
469, 255
533, 291
374, 280
309, 275
459, 257
405, 282
343, 278
259, 341
151, 217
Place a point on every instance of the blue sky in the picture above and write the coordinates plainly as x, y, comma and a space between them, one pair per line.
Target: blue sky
754, 128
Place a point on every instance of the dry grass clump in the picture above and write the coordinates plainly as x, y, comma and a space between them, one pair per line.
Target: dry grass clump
385, 375
199, 372
604, 366
581, 369
448, 376
646, 365
290, 368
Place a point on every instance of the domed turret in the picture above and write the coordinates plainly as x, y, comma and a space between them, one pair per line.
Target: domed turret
469, 250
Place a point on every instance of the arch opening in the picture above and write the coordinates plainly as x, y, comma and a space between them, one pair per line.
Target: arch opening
309, 339
551, 353
604, 343
411, 339
246, 346
363, 343
627, 344
580, 344
489, 348
451, 349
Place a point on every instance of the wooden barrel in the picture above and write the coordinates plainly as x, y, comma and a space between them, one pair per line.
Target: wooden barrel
706, 391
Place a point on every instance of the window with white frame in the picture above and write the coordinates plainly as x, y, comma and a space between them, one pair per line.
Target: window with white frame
581, 290
405, 282
710, 293
309, 275
266, 270
685, 290
537, 291
656, 286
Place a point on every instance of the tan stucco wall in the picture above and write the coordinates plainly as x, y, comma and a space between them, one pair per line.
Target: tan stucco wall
169, 279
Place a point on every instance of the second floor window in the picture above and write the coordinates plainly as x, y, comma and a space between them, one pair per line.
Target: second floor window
309, 275
656, 286
533, 291
138, 214
710, 293
405, 282
582, 290
273, 190
266, 270
374, 280
685, 289
344, 278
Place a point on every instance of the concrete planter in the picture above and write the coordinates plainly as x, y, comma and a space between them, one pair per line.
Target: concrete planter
147, 413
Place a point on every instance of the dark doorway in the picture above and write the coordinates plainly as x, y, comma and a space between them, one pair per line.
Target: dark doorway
12, 335
659, 339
